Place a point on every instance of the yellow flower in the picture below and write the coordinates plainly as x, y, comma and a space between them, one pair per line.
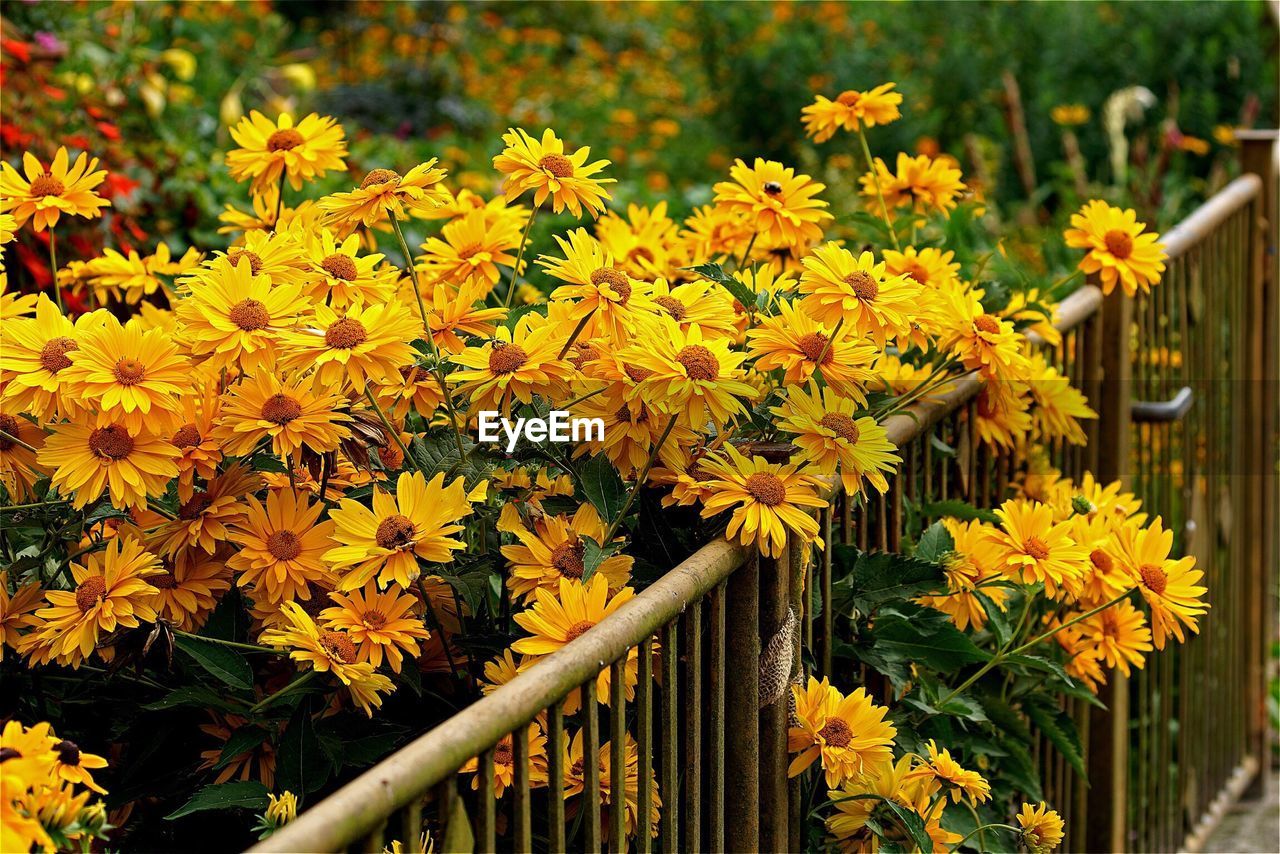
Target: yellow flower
1069, 115
203, 519
1058, 404
378, 623
688, 375
831, 438
128, 376
768, 500
471, 246
188, 588
234, 318
848, 823
43, 195
34, 357
1120, 635
608, 301
280, 546
200, 452
542, 166
19, 469
933, 268
16, 610
850, 110
282, 808
941, 772
132, 465
1001, 414
1029, 547
700, 304
504, 762
293, 414
839, 286
385, 193
1041, 828
969, 563
417, 523
337, 275
517, 364
554, 550
645, 243
1120, 249
329, 651
631, 431
921, 183
558, 618
1170, 586
269, 150
352, 347
849, 735
452, 311
574, 764
130, 278
983, 342
74, 765
111, 593
779, 206
794, 342
715, 230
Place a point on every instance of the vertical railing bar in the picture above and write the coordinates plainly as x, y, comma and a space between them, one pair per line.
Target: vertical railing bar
555, 777
488, 803
644, 746
411, 826
693, 728
618, 754
716, 713
670, 788
521, 805
742, 704
590, 767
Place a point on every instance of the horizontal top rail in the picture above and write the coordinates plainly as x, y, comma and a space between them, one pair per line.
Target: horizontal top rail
1204, 219
360, 806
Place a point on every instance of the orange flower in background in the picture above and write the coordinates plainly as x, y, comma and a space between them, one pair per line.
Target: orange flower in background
43, 195
1120, 249
271, 150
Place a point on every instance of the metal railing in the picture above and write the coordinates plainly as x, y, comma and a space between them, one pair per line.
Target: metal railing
713, 634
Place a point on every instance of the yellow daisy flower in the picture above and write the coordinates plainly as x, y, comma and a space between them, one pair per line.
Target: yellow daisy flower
34, 357
554, 550
280, 546
921, 183
75, 766
984, 342
378, 623
417, 523
1029, 547
542, 166
574, 764
1120, 635
831, 438
293, 414
969, 563
841, 287
353, 347
19, 469
384, 193
43, 195
1041, 828
701, 304
1120, 248
504, 763
189, 586
644, 243
849, 735
87, 461
1170, 586
930, 267
200, 452
1059, 406
768, 500
454, 311
608, 301
779, 206
516, 365
793, 341
471, 246
271, 150
203, 520
17, 610
338, 275
942, 773
850, 110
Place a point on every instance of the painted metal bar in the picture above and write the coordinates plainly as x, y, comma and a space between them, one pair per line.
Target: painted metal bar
670, 783
590, 768
693, 720
716, 714
555, 778
618, 755
644, 744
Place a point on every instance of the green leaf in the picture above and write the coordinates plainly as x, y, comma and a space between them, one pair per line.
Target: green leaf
922, 636
301, 763
514, 315
995, 297
244, 794
241, 740
870, 579
997, 619
717, 274
1045, 665
1059, 728
914, 824
593, 555
194, 695
935, 543
225, 663
1020, 770
602, 487
962, 510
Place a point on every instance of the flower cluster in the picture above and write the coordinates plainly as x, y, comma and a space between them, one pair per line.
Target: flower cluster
283, 429
46, 784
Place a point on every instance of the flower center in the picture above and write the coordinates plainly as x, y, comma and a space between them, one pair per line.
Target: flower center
284, 545
766, 488
986, 323
1101, 560
637, 374
345, 334
502, 754
374, 620
813, 345
90, 592
507, 358
576, 631
557, 164
111, 443
842, 425
699, 362
53, 355
129, 371
339, 646
584, 351
918, 273
340, 266
249, 315
47, 185
625, 416
280, 409
164, 581
395, 533
379, 176
836, 733
285, 139
68, 752
567, 559
1035, 547
616, 280
674, 307
9, 425
254, 259
848, 98
7, 753
1118, 243
1154, 578
863, 284
986, 406
773, 188
194, 506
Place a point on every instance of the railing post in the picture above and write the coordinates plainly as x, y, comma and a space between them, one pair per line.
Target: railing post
774, 669
742, 709
1109, 729
1259, 152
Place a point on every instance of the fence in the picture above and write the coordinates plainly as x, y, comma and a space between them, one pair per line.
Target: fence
713, 639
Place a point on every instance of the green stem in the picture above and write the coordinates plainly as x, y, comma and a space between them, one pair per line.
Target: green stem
297, 683
577, 330
830, 341
275, 223
515, 271
392, 431
875, 179
981, 828
53, 268
631, 497
7, 507
248, 647
1086, 615
746, 253
585, 397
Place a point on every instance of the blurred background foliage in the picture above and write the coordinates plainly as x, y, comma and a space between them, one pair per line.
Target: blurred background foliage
1018, 93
